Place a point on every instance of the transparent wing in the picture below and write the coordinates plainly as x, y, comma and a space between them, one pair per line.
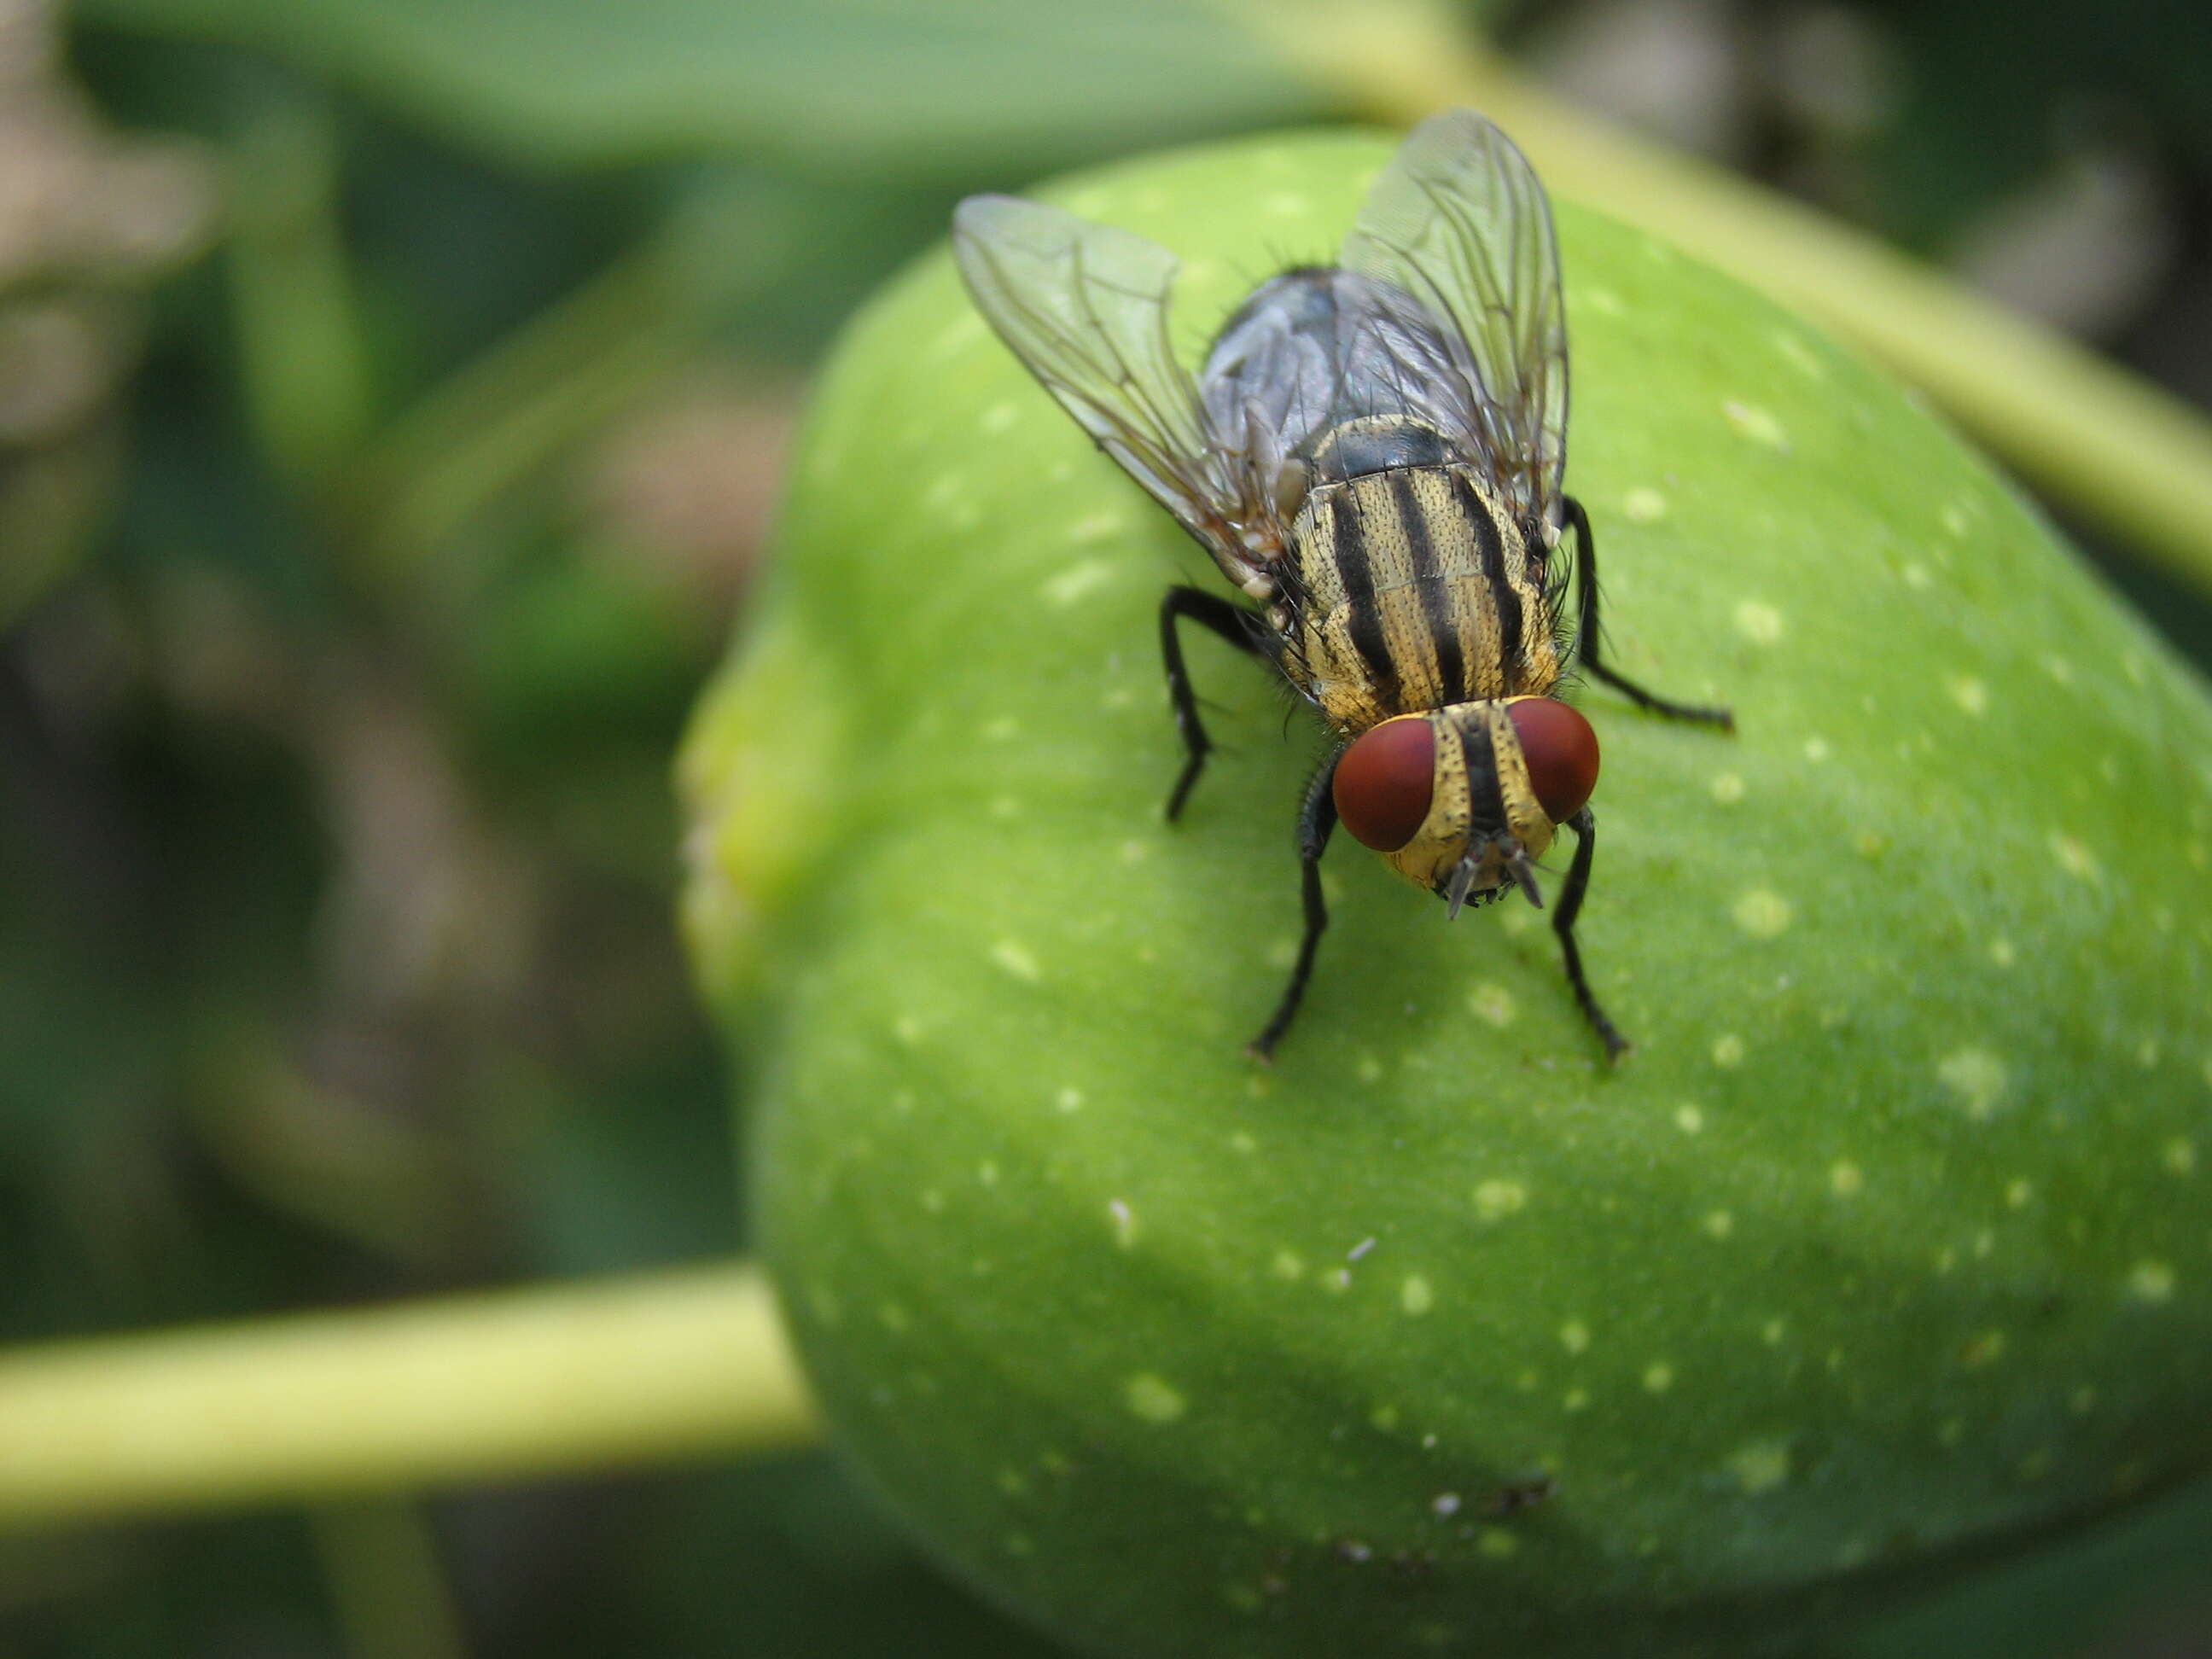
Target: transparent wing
1084, 307
1459, 221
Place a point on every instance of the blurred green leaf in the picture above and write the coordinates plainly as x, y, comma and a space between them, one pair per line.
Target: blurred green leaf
877, 86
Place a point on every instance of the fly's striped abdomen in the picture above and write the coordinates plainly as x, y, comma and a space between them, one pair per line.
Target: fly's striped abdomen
1418, 591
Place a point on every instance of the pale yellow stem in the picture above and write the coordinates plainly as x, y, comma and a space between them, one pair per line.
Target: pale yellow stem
531, 1382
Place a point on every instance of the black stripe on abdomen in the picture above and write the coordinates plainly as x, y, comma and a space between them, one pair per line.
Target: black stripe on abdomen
1433, 590
1363, 616
1490, 545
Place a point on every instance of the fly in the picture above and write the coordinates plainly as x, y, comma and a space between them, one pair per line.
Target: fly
1372, 455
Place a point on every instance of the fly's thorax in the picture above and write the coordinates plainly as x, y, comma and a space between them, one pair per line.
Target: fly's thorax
1491, 778
1417, 590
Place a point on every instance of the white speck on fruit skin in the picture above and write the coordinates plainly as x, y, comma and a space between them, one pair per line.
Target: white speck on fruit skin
1496, 1199
1415, 1295
1957, 520
1816, 750
1762, 913
2018, 1194
1097, 528
1756, 423
1444, 1506
1977, 1077
963, 331
1970, 694
1492, 1004
1575, 1337
1288, 1266
1658, 1376
1727, 787
1846, 1179
1359, 1249
1800, 354
1915, 576
2075, 857
1078, 583
1759, 1466
1153, 1399
1727, 1051
1016, 959
1718, 1225
1689, 1119
2151, 1281
1759, 621
1068, 1100
2001, 952
1642, 506
1124, 1222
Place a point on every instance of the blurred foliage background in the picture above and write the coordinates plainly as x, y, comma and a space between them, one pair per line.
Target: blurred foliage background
391, 398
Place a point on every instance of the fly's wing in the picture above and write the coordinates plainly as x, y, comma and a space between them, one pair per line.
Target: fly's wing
1084, 307
1459, 221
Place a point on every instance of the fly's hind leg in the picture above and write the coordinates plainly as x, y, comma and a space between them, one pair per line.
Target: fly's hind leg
1588, 645
1317, 822
1233, 623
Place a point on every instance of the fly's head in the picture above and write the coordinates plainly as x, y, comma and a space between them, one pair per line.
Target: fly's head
1463, 800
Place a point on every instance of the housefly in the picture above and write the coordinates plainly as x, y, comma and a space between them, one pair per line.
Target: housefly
1372, 454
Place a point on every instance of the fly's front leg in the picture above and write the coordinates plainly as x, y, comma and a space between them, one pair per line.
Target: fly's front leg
1587, 640
1563, 924
1233, 623
1317, 822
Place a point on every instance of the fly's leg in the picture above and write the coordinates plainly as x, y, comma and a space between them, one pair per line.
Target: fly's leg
1317, 822
1563, 924
1233, 623
1587, 642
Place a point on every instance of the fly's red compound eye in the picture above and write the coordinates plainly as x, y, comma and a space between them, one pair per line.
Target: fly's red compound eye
1384, 781
1561, 751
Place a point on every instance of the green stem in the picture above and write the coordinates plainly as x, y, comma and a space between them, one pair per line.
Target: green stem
531, 1382
2089, 434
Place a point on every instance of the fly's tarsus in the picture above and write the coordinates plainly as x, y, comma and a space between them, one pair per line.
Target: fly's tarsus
1317, 823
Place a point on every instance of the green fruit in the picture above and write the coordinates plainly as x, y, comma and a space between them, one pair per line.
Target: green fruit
1884, 1256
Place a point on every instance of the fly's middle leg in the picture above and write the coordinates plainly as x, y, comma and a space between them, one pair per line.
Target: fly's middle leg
1233, 623
1588, 643
1317, 822
1563, 924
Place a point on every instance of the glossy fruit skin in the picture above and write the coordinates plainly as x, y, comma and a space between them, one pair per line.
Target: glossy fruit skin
1883, 1254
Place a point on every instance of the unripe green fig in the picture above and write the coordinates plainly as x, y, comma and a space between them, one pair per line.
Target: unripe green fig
1884, 1256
